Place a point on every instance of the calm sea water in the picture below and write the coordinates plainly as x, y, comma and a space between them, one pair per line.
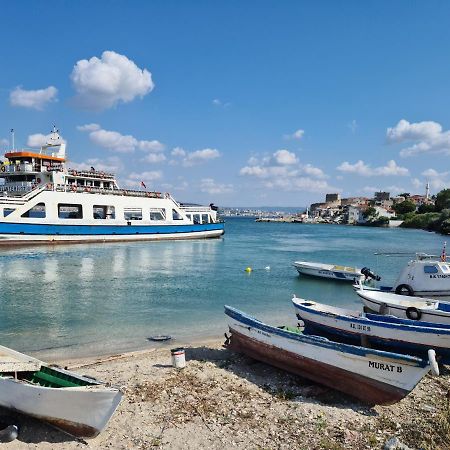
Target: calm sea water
103, 298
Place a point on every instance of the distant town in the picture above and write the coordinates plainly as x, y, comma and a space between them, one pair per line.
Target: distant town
380, 210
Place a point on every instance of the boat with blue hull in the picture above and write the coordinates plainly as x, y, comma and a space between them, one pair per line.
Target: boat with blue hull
373, 376
388, 332
42, 201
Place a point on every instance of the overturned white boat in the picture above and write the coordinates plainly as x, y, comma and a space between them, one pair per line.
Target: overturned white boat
332, 271
78, 405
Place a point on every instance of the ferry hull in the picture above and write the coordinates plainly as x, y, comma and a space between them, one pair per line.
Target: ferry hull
16, 234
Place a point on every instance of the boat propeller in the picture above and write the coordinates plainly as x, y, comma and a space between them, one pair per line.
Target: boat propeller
369, 274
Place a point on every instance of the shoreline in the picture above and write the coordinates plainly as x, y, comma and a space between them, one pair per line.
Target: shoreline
226, 400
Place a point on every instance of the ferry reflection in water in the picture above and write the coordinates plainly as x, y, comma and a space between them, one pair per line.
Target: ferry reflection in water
111, 297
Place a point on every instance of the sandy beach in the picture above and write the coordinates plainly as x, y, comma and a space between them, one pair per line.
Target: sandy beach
223, 400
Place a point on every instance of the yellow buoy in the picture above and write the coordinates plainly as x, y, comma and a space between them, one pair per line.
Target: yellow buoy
248, 269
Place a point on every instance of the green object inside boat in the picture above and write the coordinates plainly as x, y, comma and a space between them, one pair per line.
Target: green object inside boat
296, 330
48, 377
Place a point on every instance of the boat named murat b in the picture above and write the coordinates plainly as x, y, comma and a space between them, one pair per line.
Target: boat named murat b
42, 201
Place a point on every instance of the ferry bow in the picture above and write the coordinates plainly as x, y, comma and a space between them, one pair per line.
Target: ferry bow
42, 201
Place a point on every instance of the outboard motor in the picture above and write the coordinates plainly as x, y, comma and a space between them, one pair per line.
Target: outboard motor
369, 274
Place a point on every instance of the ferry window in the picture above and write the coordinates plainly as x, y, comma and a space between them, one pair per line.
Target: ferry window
104, 212
37, 211
176, 215
196, 218
68, 211
8, 211
189, 216
157, 214
430, 269
205, 218
132, 213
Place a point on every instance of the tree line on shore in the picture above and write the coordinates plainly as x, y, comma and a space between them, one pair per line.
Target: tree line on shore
432, 217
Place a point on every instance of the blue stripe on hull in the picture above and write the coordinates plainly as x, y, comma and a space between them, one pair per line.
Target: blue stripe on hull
32, 229
347, 337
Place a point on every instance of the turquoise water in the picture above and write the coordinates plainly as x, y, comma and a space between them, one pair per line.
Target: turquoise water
103, 298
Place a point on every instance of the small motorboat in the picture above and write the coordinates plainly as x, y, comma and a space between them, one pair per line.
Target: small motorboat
423, 276
388, 332
373, 376
413, 308
78, 405
332, 271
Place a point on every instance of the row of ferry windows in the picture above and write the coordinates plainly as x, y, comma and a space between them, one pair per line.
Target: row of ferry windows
71, 211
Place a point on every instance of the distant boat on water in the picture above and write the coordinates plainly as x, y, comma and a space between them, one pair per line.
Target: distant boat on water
76, 404
373, 376
331, 271
41, 201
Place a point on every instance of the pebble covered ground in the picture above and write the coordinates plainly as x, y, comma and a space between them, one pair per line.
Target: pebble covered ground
224, 401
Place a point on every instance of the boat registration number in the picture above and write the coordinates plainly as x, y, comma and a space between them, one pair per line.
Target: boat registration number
359, 327
385, 367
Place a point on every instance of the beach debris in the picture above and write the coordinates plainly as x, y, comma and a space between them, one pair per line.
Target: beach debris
394, 443
9, 431
178, 358
160, 338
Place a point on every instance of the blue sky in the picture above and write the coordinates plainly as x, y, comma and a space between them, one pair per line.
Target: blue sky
243, 103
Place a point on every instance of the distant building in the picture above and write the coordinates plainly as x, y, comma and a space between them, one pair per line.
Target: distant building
332, 198
380, 196
355, 201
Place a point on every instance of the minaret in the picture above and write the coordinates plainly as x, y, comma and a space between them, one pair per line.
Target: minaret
427, 191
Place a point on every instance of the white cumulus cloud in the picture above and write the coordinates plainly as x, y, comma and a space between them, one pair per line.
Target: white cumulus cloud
361, 168
154, 158
188, 159
285, 157
148, 177
297, 134
39, 139
210, 186
103, 82
284, 171
426, 137
117, 142
33, 99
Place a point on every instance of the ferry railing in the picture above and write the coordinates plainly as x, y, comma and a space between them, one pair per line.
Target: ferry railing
91, 174
104, 191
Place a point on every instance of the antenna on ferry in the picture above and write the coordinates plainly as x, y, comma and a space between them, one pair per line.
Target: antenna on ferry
12, 138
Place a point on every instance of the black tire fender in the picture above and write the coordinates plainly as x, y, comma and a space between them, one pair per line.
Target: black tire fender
413, 313
402, 288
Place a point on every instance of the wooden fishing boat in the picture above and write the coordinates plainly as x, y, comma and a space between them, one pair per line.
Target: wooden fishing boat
385, 331
413, 308
332, 271
78, 405
373, 376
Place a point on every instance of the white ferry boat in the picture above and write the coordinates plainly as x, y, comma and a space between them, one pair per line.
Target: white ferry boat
41, 201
